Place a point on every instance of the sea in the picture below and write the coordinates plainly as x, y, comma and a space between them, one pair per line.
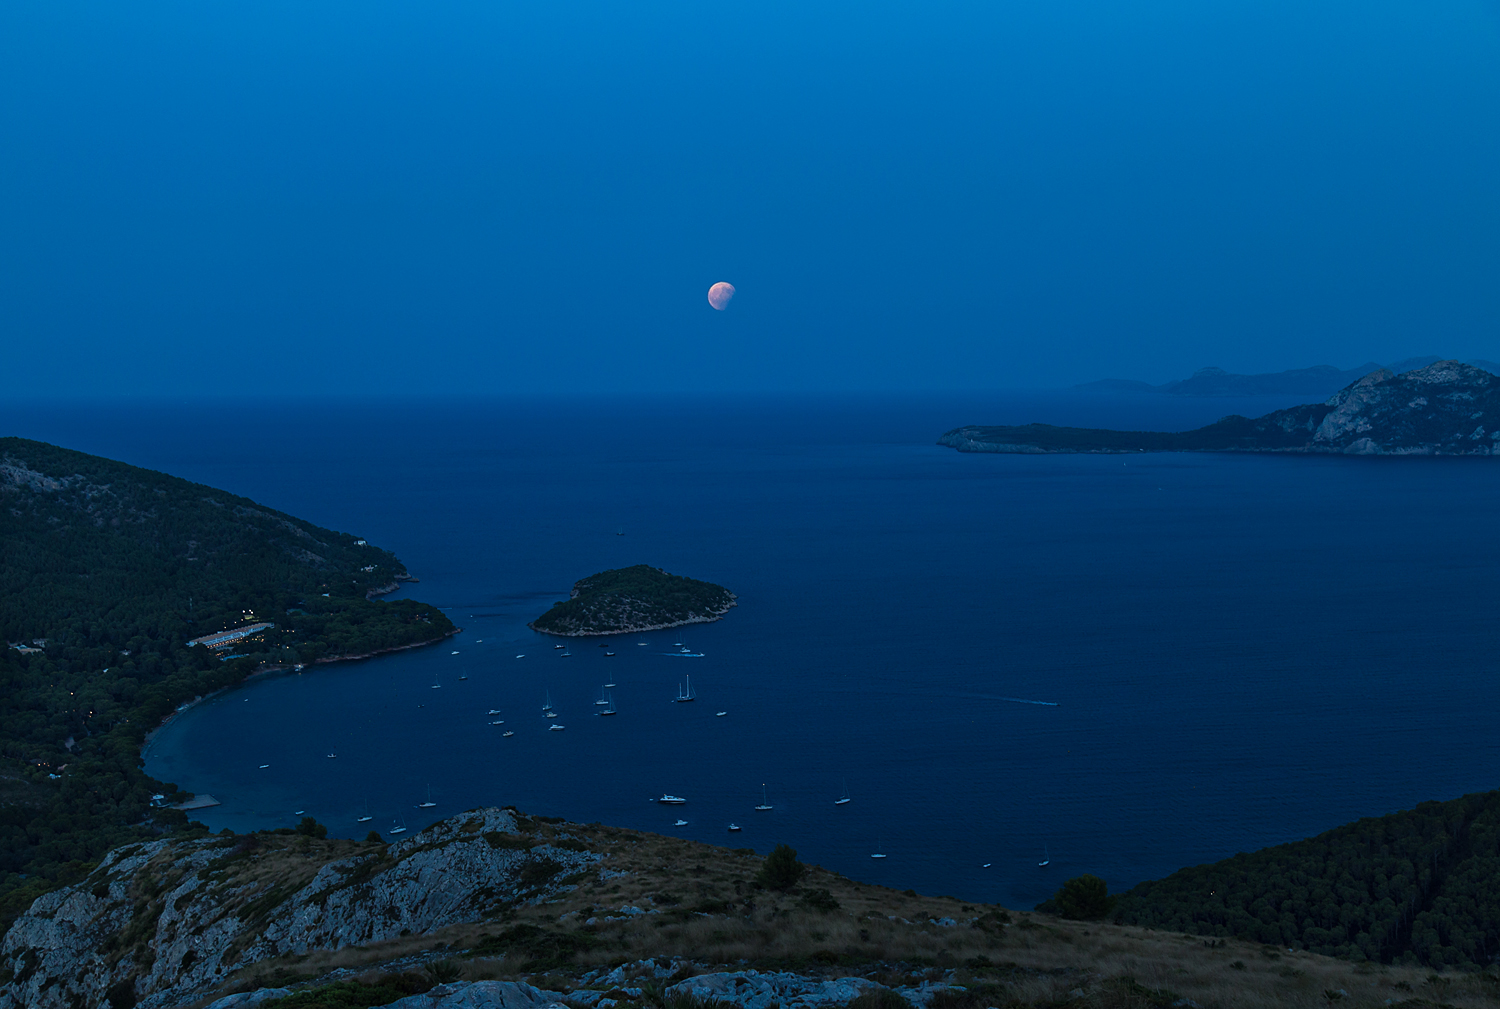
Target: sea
1018, 668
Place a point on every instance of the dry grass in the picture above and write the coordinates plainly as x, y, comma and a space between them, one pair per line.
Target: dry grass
709, 913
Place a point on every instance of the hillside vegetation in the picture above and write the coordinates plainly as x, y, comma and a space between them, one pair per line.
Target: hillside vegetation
638, 598
106, 572
1419, 886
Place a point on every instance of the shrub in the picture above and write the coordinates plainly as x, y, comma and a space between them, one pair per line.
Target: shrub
538, 871
373, 836
443, 971
880, 998
780, 870
1083, 898
354, 994
312, 828
819, 900
121, 994
507, 842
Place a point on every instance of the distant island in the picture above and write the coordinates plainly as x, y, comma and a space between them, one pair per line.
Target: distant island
638, 598
1319, 381
1446, 408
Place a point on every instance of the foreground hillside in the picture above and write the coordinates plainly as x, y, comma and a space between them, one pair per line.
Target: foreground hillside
107, 571
1447, 408
601, 917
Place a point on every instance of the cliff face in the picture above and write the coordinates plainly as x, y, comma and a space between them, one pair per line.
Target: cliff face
1447, 408
171, 919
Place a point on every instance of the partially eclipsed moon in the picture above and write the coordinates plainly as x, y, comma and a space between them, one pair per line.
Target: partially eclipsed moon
719, 295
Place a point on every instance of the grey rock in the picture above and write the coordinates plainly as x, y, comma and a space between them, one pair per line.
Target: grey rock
755, 990
246, 999
1186, 1003
922, 994
483, 995
211, 923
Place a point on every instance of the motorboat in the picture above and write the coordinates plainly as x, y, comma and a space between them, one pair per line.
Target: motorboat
672, 800
734, 827
680, 823
556, 728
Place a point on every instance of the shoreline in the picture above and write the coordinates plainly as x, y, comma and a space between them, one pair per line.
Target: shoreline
635, 629
150, 737
384, 651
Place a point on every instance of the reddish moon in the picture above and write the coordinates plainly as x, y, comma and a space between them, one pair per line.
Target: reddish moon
719, 295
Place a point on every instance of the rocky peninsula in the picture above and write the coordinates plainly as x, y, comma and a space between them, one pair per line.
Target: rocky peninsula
637, 598
1447, 408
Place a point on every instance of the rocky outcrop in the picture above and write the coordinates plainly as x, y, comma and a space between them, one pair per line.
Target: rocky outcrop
171, 920
746, 989
1447, 408
484, 995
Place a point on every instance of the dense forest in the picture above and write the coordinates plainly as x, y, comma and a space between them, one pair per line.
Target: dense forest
1420, 886
107, 571
633, 599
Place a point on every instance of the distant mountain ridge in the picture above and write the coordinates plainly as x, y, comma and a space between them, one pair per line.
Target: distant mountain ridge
1447, 408
1318, 381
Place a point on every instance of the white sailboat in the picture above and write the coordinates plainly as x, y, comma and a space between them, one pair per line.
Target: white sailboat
609, 708
429, 803
367, 817
398, 830
603, 697
845, 797
686, 695
1046, 856
765, 801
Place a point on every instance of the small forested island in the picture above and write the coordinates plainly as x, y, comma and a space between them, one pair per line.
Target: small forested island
1447, 408
125, 594
638, 598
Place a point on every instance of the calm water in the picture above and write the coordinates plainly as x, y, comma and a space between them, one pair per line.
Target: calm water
1232, 651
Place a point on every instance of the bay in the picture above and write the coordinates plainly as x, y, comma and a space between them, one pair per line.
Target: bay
1231, 651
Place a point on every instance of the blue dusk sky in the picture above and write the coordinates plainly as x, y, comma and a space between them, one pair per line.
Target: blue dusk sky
348, 198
